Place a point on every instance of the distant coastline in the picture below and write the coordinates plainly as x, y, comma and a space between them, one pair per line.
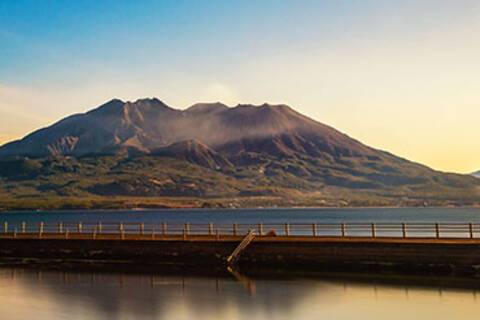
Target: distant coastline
145, 204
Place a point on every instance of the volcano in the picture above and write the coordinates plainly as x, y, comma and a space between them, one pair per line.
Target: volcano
139, 149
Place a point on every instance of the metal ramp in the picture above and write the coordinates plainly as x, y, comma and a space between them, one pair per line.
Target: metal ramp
238, 250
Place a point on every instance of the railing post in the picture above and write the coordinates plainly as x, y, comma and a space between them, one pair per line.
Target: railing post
122, 231
40, 229
185, 231
314, 229
94, 235
235, 227
153, 232
79, 227
66, 233
5, 227
343, 229
217, 234
60, 227
470, 230
374, 232
164, 229
142, 228
437, 230
24, 227
287, 229
99, 227
210, 229
404, 230
15, 233
260, 229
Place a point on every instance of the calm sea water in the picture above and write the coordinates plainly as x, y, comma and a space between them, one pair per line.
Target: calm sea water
30, 294
252, 215
41, 295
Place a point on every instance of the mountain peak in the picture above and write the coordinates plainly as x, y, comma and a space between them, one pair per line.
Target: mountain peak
149, 103
109, 106
265, 108
114, 100
207, 107
116, 105
152, 101
263, 105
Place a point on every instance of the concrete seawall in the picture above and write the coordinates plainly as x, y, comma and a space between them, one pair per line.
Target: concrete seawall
414, 256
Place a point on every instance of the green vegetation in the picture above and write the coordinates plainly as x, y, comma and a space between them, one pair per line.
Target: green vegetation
152, 181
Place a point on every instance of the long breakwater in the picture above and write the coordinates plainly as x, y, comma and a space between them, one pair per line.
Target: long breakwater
452, 249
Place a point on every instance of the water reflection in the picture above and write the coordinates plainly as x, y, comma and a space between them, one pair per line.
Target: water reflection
27, 294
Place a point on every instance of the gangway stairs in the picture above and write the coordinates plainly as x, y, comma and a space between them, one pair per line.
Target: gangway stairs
232, 259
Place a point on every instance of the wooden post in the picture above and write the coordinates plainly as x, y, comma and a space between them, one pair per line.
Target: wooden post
235, 227
94, 234
153, 232
142, 228
210, 229
164, 229
374, 233
260, 229
287, 229
343, 229
15, 233
66, 233
79, 227
470, 230
314, 229
217, 235
5, 227
437, 230
99, 228
24, 227
60, 227
404, 230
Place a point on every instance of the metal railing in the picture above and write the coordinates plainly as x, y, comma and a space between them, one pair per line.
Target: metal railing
158, 230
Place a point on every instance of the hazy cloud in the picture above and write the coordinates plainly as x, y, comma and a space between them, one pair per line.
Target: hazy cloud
220, 92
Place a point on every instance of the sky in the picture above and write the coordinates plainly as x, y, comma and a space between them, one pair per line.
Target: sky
401, 76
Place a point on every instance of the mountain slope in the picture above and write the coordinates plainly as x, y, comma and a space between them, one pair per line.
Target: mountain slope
476, 174
194, 152
149, 124
148, 149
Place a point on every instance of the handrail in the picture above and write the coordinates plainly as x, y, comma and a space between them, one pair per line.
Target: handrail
158, 230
